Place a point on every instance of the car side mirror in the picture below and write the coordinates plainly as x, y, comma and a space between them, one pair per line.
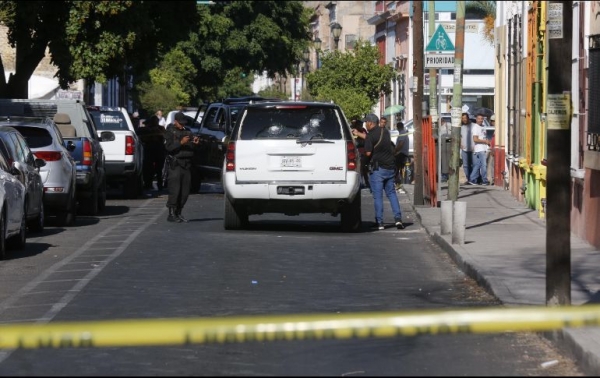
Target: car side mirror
39, 163
107, 136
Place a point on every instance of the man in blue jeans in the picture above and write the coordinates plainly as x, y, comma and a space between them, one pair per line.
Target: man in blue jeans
378, 147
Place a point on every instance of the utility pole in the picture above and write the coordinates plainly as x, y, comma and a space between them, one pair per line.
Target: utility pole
418, 100
459, 55
433, 99
559, 109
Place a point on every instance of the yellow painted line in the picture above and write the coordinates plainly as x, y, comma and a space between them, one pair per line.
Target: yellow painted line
145, 332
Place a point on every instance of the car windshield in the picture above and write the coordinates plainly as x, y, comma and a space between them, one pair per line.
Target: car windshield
109, 120
35, 137
290, 122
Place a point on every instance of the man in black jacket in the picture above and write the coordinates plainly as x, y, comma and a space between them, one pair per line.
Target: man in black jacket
180, 144
378, 146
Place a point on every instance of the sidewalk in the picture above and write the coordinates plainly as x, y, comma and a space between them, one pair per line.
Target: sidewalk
505, 252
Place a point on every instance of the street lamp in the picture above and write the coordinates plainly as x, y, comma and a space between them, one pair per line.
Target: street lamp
336, 31
317, 45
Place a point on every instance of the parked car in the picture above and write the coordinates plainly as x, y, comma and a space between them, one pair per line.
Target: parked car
26, 168
217, 123
13, 219
193, 113
291, 158
78, 128
410, 129
59, 175
123, 154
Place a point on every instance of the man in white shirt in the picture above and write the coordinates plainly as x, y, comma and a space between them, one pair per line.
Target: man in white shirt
161, 120
480, 148
466, 145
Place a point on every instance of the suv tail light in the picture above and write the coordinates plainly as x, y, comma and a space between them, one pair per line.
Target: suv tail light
48, 155
129, 145
230, 157
351, 154
87, 153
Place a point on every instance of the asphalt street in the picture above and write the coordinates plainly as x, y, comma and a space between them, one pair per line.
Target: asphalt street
130, 263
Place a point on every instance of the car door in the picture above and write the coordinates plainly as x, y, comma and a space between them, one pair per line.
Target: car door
33, 181
15, 191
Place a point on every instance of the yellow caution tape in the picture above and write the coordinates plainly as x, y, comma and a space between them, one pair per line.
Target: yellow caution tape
129, 333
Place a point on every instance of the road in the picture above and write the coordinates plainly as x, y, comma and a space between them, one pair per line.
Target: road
130, 263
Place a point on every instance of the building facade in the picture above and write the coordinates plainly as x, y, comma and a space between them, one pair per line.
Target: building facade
522, 65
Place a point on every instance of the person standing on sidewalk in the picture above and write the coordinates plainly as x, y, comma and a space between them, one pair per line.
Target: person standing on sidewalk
180, 144
466, 145
401, 154
378, 147
480, 148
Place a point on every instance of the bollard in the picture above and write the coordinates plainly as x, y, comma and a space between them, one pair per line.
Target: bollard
446, 225
459, 221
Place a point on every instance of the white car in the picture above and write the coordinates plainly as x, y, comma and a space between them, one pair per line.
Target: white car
123, 155
291, 158
409, 127
193, 123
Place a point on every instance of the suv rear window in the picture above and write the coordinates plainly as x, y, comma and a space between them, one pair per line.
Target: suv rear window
290, 122
35, 137
109, 120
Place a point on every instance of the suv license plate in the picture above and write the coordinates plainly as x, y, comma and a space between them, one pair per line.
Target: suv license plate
294, 162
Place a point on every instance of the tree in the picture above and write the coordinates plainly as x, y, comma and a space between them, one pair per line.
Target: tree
253, 36
91, 40
487, 11
171, 82
353, 79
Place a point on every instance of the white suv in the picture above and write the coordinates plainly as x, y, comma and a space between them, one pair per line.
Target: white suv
292, 158
124, 154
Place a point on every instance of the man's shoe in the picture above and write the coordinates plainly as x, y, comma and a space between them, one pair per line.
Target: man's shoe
172, 217
399, 225
380, 226
465, 183
179, 216
472, 183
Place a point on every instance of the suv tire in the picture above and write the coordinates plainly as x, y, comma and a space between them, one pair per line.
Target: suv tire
351, 219
233, 219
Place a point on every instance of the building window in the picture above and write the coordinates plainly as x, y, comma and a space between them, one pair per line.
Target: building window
350, 41
426, 16
453, 16
332, 15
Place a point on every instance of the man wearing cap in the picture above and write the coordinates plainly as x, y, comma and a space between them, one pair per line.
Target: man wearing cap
180, 144
378, 147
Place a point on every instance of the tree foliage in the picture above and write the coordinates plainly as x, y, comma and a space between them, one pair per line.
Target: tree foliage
252, 36
91, 40
353, 79
487, 11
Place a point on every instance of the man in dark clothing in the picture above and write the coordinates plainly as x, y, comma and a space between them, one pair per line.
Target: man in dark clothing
180, 144
152, 136
378, 146
401, 151
360, 133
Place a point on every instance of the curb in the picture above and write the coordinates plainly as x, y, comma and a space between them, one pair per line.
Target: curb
577, 344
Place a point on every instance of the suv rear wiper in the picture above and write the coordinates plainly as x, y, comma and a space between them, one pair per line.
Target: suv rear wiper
316, 138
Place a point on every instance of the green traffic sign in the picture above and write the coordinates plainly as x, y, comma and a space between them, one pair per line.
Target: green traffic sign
440, 41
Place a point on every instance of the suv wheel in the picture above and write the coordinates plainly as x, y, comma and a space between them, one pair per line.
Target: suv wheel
102, 196
18, 241
131, 186
37, 224
233, 219
351, 218
89, 206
